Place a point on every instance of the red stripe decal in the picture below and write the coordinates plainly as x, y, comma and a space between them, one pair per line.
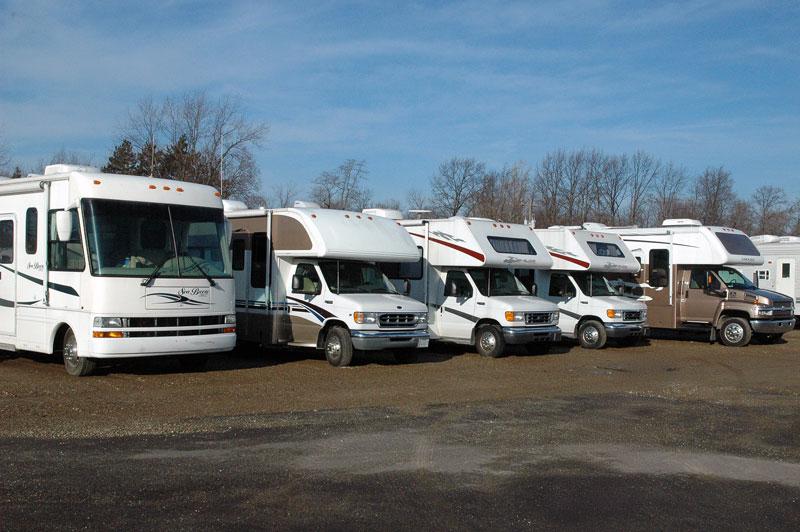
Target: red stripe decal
469, 252
581, 263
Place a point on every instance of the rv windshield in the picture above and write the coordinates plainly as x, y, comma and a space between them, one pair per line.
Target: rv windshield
132, 239
348, 277
734, 278
497, 282
594, 284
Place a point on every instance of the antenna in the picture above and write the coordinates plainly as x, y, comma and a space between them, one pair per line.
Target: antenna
221, 158
152, 151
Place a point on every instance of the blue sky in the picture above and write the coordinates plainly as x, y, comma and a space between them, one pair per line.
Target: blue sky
698, 83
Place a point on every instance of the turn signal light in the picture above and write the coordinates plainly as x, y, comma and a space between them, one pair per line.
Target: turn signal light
229, 330
107, 334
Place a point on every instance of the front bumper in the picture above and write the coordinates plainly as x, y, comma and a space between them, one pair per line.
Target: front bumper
623, 330
772, 326
372, 341
525, 335
159, 346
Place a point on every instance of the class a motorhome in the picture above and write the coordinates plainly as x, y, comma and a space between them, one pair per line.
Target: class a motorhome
779, 270
585, 280
689, 279
307, 276
98, 266
463, 277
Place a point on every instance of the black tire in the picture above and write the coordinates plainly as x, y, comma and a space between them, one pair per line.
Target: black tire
592, 334
75, 365
538, 348
769, 338
192, 362
735, 332
338, 347
489, 341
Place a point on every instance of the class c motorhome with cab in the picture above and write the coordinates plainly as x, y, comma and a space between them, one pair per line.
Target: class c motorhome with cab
689, 280
588, 266
98, 266
473, 298
779, 270
306, 276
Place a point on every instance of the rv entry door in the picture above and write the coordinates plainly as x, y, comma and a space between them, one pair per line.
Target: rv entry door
785, 277
8, 281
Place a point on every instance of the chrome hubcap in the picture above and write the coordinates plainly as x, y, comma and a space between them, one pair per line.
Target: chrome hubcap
488, 342
333, 347
71, 351
590, 335
734, 332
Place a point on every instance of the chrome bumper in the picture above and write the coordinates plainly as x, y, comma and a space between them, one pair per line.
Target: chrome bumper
524, 335
623, 330
772, 326
372, 341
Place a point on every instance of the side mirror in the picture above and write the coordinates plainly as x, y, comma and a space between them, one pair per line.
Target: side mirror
297, 283
534, 289
406, 287
64, 225
451, 290
228, 231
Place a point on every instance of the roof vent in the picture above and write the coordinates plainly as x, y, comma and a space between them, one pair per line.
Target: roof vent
392, 214
594, 226
51, 169
676, 222
306, 205
233, 205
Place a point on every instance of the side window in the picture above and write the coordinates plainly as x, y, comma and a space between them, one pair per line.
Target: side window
763, 274
561, 286
31, 230
457, 283
6, 241
786, 270
698, 278
65, 256
309, 279
258, 265
237, 250
659, 267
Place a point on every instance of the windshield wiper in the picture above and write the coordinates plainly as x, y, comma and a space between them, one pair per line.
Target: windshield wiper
153, 275
196, 265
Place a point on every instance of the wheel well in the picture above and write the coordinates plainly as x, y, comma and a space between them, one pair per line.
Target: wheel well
584, 320
733, 314
481, 322
58, 339
324, 331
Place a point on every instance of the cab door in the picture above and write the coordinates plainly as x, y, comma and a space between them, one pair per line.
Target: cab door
456, 315
8, 269
701, 295
562, 291
305, 304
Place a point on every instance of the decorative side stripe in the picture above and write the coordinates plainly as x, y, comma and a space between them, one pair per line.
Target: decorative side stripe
64, 289
460, 314
462, 249
581, 263
570, 314
319, 310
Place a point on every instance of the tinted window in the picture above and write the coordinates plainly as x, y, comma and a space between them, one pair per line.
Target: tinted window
237, 249
309, 280
31, 230
403, 270
561, 286
605, 249
738, 244
457, 282
6, 242
258, 266
65, 256
518, 246
659, 268
785, 270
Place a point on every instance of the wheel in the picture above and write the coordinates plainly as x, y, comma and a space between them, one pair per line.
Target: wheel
538, 348
192, 362
735, 332
338, 347
592, 334
75, 365
768, 338
489, 341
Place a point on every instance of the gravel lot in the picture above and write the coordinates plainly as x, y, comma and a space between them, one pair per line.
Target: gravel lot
671, 435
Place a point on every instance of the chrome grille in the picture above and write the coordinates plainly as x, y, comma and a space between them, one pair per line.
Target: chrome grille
397, 320
631, 315
537, 317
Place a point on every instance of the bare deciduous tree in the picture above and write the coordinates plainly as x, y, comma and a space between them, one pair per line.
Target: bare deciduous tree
456, 185
5, 155
770, 210
548, 185
667, 189
285, 194
643, 173
714, 195
505, 195
343, 188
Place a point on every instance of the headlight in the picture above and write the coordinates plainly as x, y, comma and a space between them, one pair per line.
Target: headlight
555, 317
104, 323
515, 316
365, 317
422, 317
230, 319
763, 311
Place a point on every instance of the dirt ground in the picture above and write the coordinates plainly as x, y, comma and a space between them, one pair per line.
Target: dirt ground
154, 396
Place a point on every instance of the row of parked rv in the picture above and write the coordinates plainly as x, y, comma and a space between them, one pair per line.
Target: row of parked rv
97, 266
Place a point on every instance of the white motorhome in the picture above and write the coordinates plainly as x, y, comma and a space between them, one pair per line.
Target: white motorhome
473, 298
689, 280
96, 266
587, 269
306, 276
779, 270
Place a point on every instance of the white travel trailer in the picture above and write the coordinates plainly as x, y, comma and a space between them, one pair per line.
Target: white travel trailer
779, 270
587, 269
306, 276
463, 278
689, 280
96, 266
